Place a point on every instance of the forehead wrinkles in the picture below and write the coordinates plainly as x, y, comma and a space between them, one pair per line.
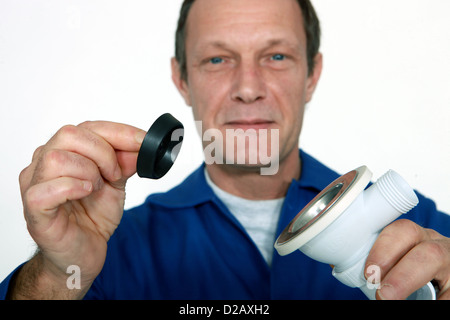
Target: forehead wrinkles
244, 22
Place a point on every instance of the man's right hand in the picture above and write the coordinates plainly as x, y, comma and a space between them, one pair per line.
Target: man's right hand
73, 194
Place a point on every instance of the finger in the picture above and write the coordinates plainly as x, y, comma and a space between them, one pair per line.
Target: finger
41, 201
36, 153
393, 243
25, 177
61, 163
88, 144
420, 265
127, 161
26, 174
125, 139
444, 294
121, 136
442, 278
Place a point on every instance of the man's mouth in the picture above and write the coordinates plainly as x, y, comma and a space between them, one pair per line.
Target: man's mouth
255, 124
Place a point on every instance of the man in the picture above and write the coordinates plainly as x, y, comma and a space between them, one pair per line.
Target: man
250, 65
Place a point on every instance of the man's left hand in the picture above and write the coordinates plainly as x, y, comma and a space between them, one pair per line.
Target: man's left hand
408, 257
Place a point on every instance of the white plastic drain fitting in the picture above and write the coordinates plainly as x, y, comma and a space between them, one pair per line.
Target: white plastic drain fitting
340, 225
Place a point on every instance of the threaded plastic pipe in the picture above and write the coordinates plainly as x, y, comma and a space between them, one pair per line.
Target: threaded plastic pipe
397, 192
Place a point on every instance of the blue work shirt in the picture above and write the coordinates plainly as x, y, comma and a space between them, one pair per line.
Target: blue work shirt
185, 244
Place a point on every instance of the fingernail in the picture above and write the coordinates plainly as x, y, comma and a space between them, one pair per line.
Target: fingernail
139, 137
117, 173
387, 292
87, 185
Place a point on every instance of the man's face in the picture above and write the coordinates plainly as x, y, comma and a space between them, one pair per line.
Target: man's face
247, 67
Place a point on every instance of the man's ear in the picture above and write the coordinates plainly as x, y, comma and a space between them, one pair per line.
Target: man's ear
179, 82
313, 78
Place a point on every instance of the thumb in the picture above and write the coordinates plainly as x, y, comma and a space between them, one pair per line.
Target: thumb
41, 201
127, 163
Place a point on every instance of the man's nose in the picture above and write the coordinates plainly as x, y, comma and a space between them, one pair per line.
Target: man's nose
248, 83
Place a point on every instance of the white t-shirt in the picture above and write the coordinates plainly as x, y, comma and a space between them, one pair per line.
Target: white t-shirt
258, 217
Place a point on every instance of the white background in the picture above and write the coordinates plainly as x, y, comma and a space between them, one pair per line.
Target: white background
383, 100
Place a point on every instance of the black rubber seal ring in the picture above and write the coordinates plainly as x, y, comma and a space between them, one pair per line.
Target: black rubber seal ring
160, 147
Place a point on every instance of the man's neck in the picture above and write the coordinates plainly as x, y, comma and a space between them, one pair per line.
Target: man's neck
248, 183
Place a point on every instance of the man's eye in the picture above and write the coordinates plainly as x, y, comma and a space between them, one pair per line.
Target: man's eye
278, 57
216, 60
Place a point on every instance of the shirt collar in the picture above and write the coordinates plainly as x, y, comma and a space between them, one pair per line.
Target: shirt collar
194, 190
314, 174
